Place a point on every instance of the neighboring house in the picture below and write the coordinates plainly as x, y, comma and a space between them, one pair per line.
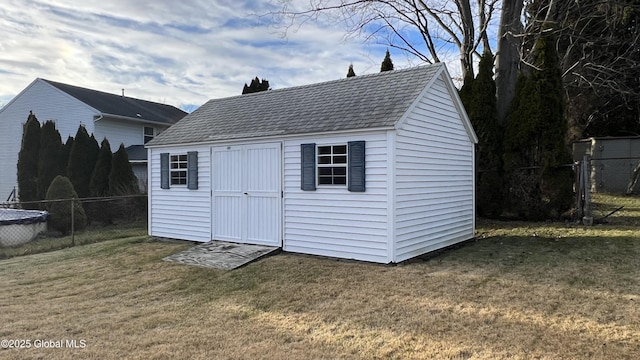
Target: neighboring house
118, 118
376, 167
613, 160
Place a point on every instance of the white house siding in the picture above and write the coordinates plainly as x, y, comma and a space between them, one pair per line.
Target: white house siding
119, 132
140, 171
47, 103
331, 221
434, 177
178, 212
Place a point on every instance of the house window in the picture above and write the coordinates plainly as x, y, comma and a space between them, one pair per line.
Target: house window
332, 165
178, 169
149, 133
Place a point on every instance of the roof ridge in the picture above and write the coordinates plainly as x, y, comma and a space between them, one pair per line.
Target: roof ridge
54, 83
330, 82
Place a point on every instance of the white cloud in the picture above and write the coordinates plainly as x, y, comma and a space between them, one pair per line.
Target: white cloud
178, 52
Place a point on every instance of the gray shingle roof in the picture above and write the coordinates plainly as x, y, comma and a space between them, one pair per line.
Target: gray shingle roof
136, 153
360, 102
122, 105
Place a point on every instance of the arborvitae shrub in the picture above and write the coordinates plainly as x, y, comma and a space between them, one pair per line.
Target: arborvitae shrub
536, 153
28, 163
62, 159
50, 143
82, 160
122, 182
60, 211
99, 184
479, 99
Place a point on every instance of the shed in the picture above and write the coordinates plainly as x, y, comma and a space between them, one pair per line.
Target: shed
613, 160
376, 167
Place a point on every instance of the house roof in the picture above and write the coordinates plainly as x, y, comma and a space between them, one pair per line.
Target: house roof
361, 102
136, 153
122, 106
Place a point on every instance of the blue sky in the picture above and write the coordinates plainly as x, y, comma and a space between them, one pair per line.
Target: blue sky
180, 53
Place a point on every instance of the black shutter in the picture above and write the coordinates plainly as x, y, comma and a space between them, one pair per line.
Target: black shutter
356, 181
164, 170
308, 168
192, 170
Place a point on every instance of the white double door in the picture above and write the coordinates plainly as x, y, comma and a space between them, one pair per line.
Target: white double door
247, 194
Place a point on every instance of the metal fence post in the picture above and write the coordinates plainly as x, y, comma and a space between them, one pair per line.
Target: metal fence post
587, 219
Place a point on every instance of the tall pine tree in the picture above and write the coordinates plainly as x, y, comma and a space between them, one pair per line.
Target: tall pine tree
28, 162
82, 160
479, 99
50, 144
350, 72
387, 64
256, 85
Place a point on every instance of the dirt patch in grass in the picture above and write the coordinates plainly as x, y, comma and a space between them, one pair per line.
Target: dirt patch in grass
520, 291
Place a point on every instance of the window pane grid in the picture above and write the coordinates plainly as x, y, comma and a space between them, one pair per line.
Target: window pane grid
178, 168
149, 133
332, 165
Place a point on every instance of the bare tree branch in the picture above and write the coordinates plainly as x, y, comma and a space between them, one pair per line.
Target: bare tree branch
397, 22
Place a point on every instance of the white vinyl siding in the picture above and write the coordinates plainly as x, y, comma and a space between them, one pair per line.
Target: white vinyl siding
178, 212
140, 170
119, 132
332, 221
434, 170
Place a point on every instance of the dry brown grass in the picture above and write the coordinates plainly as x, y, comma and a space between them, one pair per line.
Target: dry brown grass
521, 291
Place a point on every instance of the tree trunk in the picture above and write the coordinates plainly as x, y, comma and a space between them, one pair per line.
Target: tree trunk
508, 55
467, 46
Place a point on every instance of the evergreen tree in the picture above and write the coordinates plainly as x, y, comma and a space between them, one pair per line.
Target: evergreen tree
387, 64
484, 118
82, 160
535, 142
50, 144
256, 85
62, 158
350, 72
122, 180
28, 162
60, 211
466, 92
99, 184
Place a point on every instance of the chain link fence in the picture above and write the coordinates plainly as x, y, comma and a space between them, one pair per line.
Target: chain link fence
616, 177
70, 222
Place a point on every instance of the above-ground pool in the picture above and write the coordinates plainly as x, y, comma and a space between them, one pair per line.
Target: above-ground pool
21, 226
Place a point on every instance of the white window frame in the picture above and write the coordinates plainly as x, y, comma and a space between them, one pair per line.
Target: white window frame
332, 156
145, 135
178, 169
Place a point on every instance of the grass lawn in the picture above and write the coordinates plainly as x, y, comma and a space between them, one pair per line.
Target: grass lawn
520, 291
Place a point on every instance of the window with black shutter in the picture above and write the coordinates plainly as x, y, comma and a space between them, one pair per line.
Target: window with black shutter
179, 170
333, 165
